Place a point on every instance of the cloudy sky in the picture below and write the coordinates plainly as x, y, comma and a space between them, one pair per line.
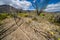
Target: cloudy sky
53, 5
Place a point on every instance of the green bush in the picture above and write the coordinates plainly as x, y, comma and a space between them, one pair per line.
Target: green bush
51, 18
23, 15
3, 16
57, 19
42, 14
54, 19
35, 19
1, 22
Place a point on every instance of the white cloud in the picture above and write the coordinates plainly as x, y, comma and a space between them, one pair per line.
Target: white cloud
36, 0
53, 7
16, 3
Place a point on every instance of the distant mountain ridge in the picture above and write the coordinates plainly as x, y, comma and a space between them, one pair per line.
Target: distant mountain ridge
10, 9
7, 9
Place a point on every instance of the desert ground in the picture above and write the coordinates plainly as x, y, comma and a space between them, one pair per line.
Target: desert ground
27, 28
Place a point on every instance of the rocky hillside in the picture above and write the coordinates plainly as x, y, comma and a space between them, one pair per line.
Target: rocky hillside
7, 9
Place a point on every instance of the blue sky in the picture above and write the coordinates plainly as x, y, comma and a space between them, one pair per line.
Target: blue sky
54, 1
53, 5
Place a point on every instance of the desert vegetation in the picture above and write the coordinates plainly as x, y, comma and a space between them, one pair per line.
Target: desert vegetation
46, 25
29, 20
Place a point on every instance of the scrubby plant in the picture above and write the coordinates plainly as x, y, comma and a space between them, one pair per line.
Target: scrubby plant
57, 19
54, 19
34, 18
3, 16
1, 22
51, 18
23, 15
42, 14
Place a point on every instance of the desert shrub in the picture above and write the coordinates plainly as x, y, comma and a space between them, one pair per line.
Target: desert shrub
42, 14
58, 39
23, 15
54, 19
11, 15
1, 22
26, 15
57, 19
3, 16
51, 18
34, 18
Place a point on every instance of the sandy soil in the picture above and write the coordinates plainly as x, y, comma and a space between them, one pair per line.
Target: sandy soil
26, 29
